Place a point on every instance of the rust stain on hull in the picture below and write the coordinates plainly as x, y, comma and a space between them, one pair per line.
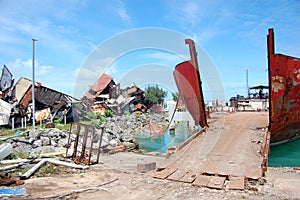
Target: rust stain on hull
284, 80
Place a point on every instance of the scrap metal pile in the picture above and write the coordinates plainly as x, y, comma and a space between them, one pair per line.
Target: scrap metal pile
106, 94
16, 100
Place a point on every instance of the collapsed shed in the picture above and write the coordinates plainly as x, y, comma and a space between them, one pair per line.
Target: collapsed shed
106, 94
16, 101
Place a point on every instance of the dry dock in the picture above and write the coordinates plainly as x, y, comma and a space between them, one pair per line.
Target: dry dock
229, 150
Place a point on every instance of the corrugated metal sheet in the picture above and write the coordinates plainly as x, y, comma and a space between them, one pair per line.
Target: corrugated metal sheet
21, 87
5, 109
98, 87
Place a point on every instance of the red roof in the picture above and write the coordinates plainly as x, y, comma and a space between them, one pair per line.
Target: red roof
98, 87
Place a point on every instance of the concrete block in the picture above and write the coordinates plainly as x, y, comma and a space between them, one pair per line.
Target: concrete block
146, 167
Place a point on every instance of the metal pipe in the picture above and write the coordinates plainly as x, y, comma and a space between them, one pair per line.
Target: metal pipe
33, 83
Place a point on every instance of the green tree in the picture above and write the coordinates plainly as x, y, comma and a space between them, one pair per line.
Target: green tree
175, 96
154, 94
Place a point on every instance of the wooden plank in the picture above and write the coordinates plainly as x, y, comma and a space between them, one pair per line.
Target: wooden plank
177, 175
236, 183
201, 180
164, 173
216, 182
189, 177
51, 154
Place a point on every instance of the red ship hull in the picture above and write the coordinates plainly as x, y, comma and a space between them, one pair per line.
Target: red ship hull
284, 80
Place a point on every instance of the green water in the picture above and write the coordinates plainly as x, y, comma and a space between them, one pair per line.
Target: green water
163, 142
285, 155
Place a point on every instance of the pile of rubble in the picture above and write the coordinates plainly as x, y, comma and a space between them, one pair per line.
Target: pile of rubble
118, 130
16, 101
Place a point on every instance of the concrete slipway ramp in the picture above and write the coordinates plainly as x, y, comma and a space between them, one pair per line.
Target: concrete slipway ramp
229, 151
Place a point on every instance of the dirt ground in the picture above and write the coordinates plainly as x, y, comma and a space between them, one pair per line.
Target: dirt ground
116, 177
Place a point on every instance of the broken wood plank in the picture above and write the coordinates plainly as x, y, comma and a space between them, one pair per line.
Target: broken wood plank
177, 175
51, 154
189, 177
27, 174
201, 180
58, 162
165, 173
216, 182
236, 183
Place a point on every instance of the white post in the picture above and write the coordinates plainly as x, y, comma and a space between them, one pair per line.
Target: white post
25, 122
13, 123
22, 122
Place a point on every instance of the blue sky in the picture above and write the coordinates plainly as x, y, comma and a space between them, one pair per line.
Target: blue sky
231, 33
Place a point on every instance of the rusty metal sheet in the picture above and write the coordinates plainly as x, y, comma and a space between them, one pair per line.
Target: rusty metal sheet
164, 173
99, 86
23, 91
254, 174
201, 180
42, 115
284, 80
236, 183
189, 177
216, 182
177, 175
50, 97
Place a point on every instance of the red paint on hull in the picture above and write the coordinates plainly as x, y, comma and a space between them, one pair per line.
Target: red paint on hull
284, 80
188, 81
189, 90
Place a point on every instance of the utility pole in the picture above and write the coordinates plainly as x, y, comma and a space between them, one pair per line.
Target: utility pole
247, 85
33, 84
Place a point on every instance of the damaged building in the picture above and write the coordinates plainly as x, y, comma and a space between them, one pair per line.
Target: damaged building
16, 101
106, 94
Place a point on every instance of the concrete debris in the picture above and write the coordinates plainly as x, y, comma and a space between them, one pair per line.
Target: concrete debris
5, 150
119, 130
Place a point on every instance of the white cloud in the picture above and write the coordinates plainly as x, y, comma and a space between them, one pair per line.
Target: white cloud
164, 57
122, 12
23, 68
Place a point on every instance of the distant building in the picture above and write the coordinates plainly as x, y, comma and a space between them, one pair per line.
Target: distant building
257, 101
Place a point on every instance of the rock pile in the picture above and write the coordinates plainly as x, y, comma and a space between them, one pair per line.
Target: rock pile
119, 130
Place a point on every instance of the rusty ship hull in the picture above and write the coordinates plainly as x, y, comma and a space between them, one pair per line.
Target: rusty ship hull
284, 90
188, 81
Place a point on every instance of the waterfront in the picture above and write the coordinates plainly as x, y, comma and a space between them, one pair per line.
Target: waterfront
285, 155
